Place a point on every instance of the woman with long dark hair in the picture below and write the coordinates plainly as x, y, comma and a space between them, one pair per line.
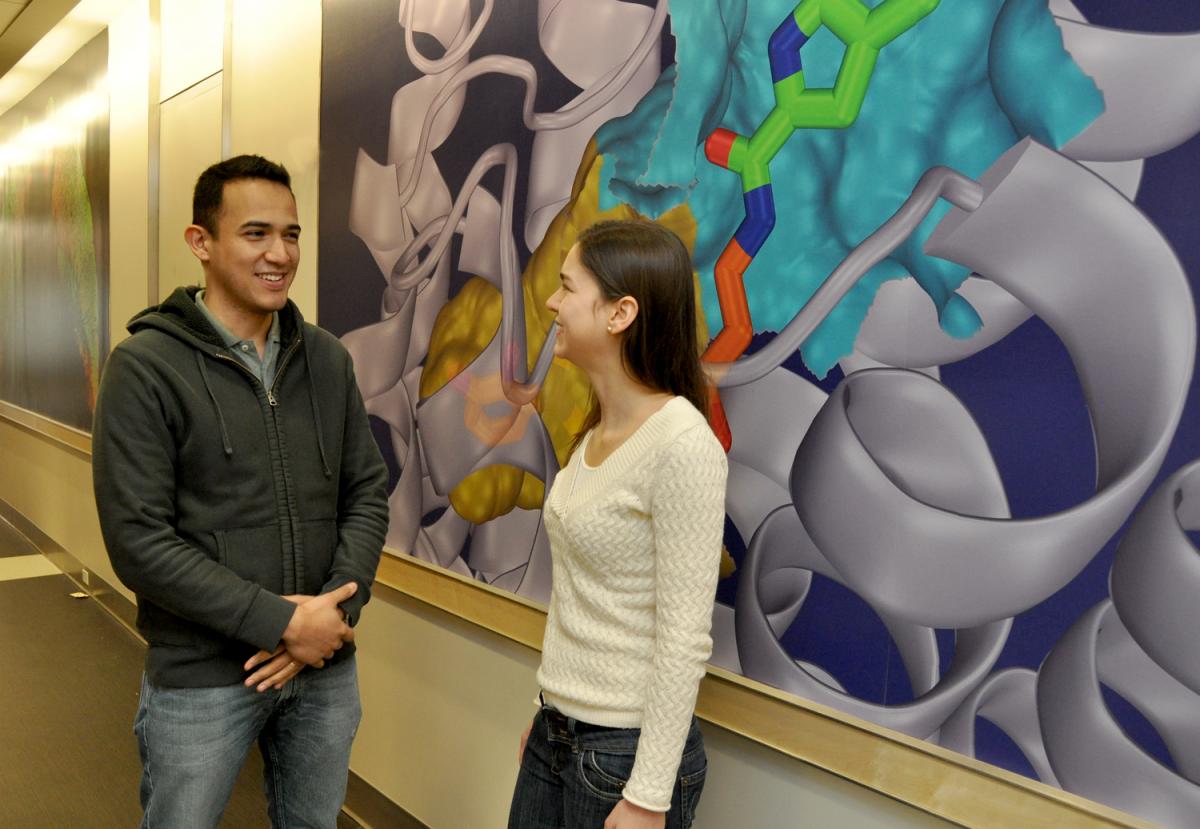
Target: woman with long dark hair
635, 521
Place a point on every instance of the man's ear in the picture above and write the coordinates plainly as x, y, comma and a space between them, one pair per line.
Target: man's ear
624, 312
198, 240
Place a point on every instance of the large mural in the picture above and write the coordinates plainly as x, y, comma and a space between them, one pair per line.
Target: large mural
54, 241
947, 253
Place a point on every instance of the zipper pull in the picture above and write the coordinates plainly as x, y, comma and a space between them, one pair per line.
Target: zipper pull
271, 398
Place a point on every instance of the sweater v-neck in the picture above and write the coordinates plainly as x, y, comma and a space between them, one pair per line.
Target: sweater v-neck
584, 444
644, 438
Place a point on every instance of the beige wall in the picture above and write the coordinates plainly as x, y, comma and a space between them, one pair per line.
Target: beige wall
129, 62
275, 108
444, 700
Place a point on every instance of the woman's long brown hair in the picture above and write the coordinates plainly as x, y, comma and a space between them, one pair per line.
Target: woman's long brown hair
660, 348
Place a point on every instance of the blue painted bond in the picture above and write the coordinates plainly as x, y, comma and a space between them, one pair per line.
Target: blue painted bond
784, 49
759, 221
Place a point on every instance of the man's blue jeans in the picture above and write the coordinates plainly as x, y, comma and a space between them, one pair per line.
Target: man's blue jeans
194, 741
572, 775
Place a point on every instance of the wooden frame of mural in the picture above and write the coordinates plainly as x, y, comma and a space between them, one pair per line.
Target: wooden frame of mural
933, 779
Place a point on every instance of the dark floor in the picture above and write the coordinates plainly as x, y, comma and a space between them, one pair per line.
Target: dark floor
69, 679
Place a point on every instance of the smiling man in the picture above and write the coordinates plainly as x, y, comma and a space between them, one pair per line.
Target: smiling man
243, 499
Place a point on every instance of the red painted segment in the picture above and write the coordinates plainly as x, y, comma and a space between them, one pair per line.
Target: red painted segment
718, 146
718, 421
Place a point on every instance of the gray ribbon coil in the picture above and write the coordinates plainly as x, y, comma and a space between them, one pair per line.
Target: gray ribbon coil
1081, 256
1089, 752
1155, 580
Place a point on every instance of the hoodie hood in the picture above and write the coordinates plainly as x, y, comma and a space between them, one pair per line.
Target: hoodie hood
179, 316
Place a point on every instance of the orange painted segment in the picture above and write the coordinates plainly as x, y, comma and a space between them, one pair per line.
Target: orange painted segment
731, 342
735, 336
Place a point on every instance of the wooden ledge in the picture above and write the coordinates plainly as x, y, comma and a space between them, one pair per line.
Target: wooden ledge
926, 776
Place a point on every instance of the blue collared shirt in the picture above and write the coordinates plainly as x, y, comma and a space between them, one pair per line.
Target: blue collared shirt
264, 368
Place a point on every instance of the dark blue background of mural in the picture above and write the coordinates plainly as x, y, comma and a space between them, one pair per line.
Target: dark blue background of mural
1022, 391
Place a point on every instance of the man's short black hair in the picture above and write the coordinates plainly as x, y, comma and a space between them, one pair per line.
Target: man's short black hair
210, 187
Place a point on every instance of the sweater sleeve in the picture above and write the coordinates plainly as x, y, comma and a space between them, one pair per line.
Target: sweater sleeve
362, 505
134, 471
688, 515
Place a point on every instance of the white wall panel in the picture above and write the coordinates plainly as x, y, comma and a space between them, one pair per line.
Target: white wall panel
190, 140
193, 43
275, 109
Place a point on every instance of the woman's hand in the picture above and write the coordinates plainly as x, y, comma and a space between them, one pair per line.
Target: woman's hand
524, 740
625, 815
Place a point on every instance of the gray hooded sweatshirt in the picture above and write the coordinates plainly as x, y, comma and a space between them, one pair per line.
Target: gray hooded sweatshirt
217, 496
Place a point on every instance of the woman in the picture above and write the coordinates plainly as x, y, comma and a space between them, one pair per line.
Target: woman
635, 523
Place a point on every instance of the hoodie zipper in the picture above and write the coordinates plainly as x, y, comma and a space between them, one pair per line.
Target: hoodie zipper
274, 402
283, 361
270, 390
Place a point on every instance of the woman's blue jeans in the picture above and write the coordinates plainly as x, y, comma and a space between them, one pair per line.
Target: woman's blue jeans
572, 775
194, 741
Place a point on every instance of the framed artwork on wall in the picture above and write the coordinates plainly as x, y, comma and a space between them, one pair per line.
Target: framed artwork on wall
54, 176
962, 422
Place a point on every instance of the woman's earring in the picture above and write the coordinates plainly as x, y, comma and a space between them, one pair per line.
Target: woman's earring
610, 329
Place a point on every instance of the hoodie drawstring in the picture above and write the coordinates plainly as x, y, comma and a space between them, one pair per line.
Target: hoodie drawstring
312, 396
216, 406
316, 408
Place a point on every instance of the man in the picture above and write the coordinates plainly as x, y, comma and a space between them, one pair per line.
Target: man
243, 499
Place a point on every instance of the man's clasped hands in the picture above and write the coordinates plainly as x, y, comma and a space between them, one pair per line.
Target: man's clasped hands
317, 629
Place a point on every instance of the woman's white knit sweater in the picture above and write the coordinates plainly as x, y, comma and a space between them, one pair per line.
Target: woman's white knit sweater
636, 548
